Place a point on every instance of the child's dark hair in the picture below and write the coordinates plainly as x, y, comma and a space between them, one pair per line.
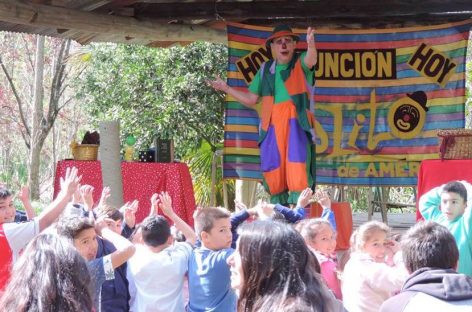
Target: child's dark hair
4, 192
206, 217
155, 230
429, 244
456, 187
71, 226
110, 212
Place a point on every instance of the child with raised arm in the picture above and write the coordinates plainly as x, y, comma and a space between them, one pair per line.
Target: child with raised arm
83, 231
448, 205
209, 274
265, 210
157, 271
320, 236
15, 236
367, 279
114, 294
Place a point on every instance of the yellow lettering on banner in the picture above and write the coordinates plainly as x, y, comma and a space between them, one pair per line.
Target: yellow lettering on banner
371, 171
413, 169
432, 64
387, 169
366, 64
337, 113
322, 136
384, 64
346, 65
400, 169
332, 68
348, 171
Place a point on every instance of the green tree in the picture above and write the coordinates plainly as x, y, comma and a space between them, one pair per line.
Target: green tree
36, 92
160, 92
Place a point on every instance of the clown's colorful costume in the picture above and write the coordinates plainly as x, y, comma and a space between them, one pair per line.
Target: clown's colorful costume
286, 128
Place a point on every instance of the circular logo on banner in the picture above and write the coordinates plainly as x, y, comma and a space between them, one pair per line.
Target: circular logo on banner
406, 117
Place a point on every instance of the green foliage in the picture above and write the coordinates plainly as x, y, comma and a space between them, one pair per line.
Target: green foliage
161, 92
156, 91
200, 164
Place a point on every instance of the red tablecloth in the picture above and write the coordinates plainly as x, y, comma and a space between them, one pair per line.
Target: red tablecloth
436, 172
140, 181
343, 215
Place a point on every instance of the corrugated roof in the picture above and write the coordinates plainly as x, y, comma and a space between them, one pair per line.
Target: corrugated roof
166, 22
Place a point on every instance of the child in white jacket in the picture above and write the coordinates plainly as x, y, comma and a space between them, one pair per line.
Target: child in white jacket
373, 273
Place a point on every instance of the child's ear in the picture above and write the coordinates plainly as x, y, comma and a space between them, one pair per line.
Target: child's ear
204, 236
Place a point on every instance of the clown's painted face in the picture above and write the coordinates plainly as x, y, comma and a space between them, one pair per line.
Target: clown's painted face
283, 49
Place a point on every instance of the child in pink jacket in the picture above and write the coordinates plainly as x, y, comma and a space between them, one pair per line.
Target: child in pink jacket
369, 278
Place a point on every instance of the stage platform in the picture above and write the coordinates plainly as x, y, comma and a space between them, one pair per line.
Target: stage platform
399, 222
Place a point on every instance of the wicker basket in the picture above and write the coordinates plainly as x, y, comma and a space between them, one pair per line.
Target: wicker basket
455, 143
85, 151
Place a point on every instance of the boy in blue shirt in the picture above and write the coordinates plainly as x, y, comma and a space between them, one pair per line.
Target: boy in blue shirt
447, 205
208, 272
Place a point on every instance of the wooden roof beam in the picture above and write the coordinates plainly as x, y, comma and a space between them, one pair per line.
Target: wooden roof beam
55, 17
323, 10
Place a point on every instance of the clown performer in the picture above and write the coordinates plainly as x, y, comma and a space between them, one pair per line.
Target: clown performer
286, 134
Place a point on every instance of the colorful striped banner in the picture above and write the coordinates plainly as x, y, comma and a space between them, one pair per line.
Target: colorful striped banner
380, 97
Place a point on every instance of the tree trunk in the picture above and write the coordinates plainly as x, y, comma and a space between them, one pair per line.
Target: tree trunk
36, 131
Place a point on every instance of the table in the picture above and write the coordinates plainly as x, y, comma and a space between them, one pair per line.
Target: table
343, 215
436, 172
140, 181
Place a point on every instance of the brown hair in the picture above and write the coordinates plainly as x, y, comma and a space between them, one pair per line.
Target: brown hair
364, 233
110, 212
312, 227
429, 244
206, 217
279, 270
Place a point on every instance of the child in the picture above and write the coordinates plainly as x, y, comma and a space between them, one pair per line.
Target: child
7, 210
15, 236
447, 205
156, 272
430, 254
272, 269
49, 276
320, 237
83, 233
367, 280
208, 272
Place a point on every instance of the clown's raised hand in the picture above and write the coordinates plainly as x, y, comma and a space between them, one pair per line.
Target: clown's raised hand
310, 37
311, 56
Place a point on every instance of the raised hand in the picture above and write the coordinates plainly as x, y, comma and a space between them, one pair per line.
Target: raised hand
310, 37
86, 191
70, 182
239, 205
106, 192
165, 204
129, 213
154, 205
264, 209
104, 223
305, 197
23, 194
311, 56
323, 198
196, 211
218, 84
